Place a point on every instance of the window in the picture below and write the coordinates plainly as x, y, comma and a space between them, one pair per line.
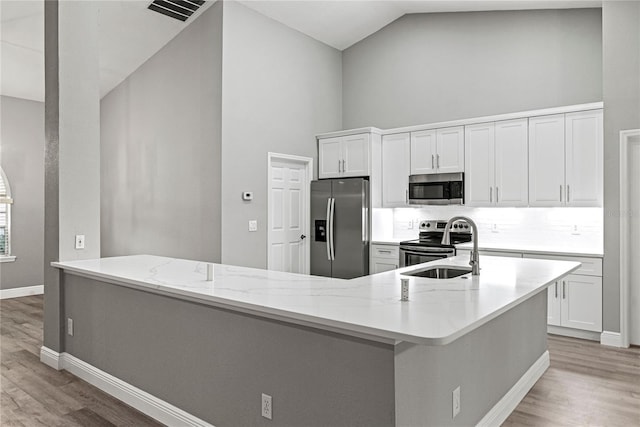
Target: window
5, 217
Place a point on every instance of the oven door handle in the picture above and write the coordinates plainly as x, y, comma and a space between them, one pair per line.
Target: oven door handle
427, 250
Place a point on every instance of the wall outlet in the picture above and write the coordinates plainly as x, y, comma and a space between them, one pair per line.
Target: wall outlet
253, 225
410, 225
266, 406
69, 326
79, 241
455, 401
575, 231
494, 228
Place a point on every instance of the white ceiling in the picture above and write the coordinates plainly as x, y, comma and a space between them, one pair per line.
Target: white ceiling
124, 46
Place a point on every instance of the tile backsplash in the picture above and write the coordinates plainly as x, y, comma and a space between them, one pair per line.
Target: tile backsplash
565, 226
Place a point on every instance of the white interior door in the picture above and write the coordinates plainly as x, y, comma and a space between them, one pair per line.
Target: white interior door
289, 181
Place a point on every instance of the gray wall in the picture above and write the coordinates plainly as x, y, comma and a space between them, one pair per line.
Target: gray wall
280, 88
621, 92
22, 154
426, 68
215, 363
485, 364
160, 150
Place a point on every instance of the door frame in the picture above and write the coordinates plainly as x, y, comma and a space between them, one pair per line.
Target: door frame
625, 286
307, 162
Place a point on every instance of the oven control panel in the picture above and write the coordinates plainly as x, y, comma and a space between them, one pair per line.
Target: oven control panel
459, 226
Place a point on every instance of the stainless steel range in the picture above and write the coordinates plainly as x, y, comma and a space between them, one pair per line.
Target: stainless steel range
428, 246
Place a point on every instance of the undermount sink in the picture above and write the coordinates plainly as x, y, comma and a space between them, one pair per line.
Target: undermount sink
438, 272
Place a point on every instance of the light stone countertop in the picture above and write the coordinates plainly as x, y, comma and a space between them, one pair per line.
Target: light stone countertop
438, 311
537, 248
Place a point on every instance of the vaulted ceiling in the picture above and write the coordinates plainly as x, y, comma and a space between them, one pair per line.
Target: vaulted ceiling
124, 47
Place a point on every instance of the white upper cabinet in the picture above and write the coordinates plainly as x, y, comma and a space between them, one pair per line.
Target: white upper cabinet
584, 148
565, 159
450, 149
344, 156
355, 154
395, 170
437, 151
496, 164
479, 146
330, 157
423, 152
546, 160
512, 177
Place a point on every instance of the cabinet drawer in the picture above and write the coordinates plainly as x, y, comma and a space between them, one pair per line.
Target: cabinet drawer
589, 267
385, 251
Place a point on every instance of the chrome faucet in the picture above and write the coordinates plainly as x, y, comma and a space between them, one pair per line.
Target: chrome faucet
474, 262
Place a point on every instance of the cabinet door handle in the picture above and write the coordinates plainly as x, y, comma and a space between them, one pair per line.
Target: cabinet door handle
433, 161
438, 161
344, 166
497, 196
382, 251
560, 192
406, 196
564, 290
556, 286
339, 164
568, 193
490, 194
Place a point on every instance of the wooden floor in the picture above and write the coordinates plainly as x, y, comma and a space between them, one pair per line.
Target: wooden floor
586, 385
33, 394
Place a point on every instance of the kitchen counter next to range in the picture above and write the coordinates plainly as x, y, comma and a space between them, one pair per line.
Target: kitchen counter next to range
438, 311
539, 248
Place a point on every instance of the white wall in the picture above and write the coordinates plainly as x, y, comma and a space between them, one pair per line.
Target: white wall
22, 158
426, 68
280, 88
160, 156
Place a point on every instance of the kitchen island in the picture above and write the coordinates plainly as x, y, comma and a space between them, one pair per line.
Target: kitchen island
328, 351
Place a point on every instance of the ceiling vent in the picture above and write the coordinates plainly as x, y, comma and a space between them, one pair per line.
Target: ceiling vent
177, 9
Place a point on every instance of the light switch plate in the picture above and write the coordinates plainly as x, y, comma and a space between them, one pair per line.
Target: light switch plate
79, 241
253, 225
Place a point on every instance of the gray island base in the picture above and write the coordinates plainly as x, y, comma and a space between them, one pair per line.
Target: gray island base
155, 333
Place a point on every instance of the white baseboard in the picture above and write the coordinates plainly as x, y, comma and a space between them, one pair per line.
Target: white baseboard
21, 292
146, 403
613, 339
50, 358
574, 333
501, 411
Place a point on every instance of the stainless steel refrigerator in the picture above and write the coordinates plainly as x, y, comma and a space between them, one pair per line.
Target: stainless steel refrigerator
340, 218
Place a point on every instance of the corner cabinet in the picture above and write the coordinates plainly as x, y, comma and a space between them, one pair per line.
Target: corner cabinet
566, 159
496, 156
344, 156
437, 151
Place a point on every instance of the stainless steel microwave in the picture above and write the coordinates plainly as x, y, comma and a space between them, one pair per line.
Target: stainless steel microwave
436, 189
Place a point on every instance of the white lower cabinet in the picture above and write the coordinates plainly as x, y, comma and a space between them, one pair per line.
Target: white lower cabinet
572, 302
576, 300
384, 258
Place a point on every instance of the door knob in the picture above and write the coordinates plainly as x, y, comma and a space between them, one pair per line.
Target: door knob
302, 237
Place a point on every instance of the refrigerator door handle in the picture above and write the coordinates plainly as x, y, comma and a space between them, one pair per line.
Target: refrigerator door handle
332, 217
328, 222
